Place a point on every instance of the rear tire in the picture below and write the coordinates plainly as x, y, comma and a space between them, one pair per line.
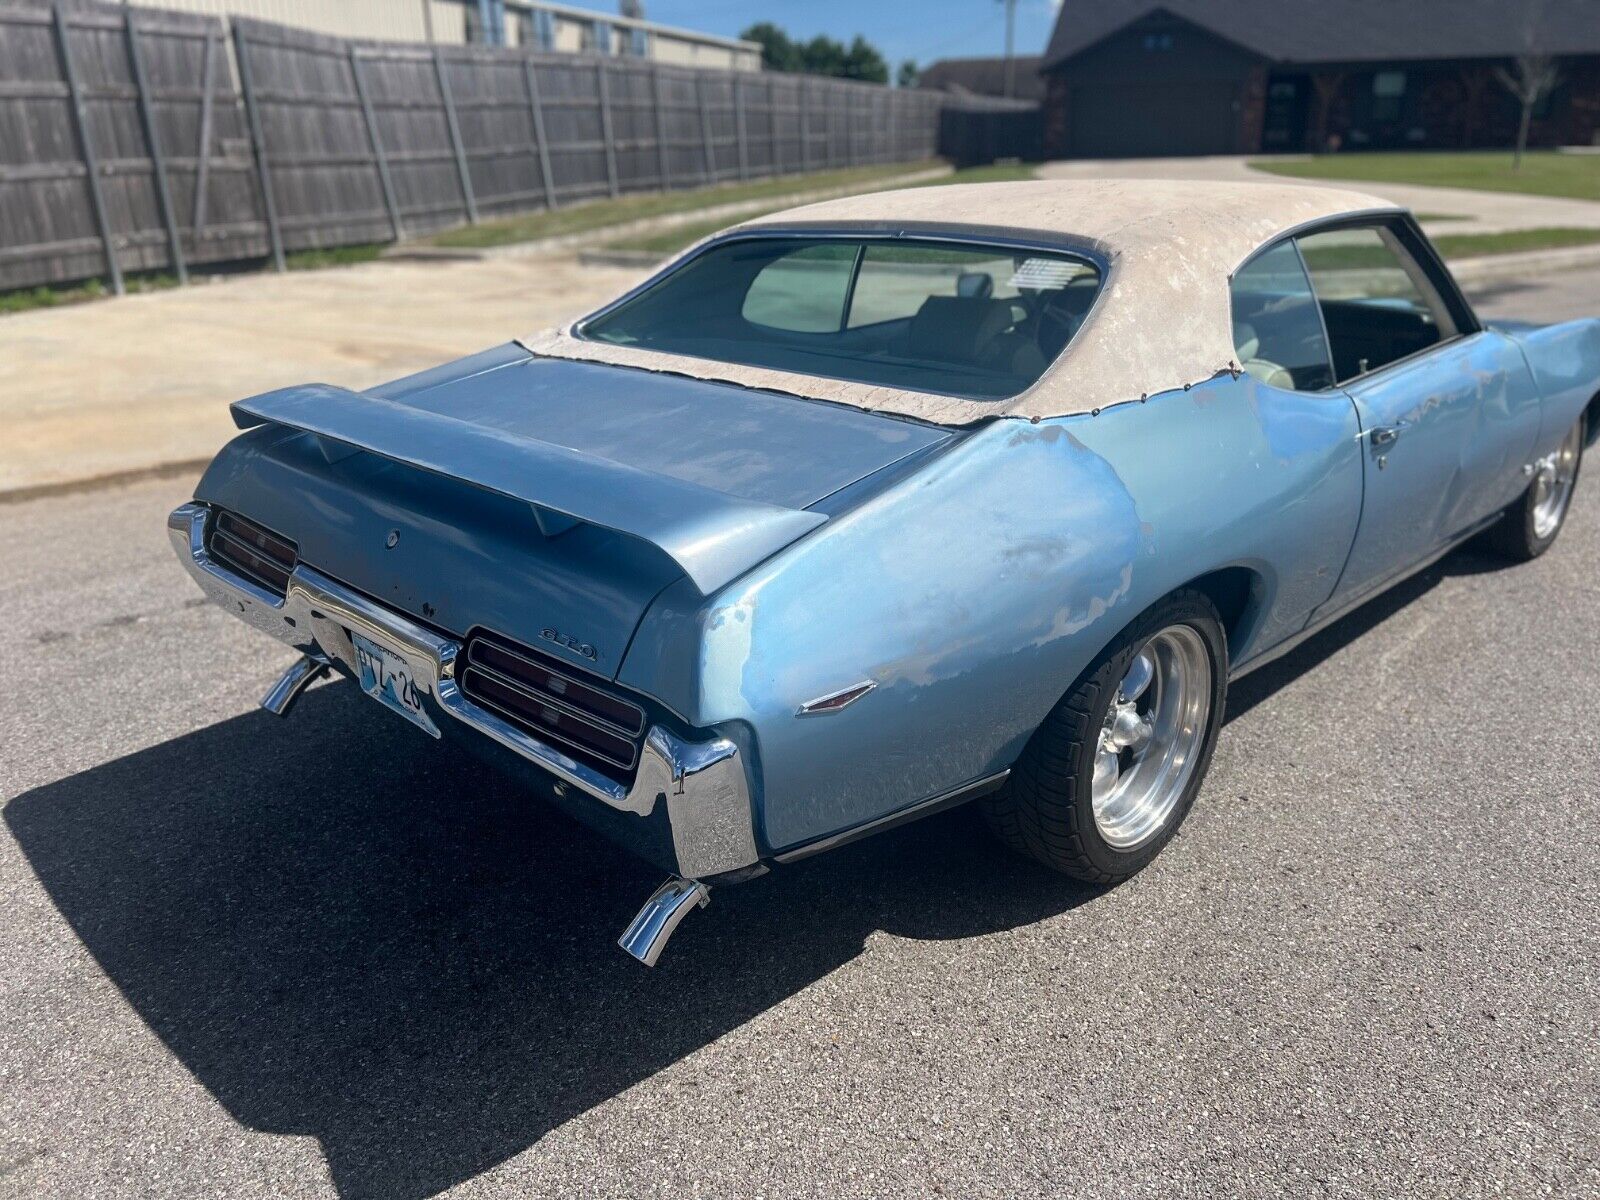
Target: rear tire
1147, 754
1529, 527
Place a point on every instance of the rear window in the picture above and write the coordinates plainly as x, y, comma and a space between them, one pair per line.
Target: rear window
969, 320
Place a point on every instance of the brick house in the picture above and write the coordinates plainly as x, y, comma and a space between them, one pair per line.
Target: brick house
1129, 78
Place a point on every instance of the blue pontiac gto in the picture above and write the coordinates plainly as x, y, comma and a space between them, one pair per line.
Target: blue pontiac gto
879, 505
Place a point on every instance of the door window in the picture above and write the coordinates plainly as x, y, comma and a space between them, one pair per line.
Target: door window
803, 291
1277, 331
1376, 301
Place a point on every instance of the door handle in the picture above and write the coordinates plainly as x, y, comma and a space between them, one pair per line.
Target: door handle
1385, 436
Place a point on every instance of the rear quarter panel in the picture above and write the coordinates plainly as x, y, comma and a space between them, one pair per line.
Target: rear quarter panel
1565, 361
976, 590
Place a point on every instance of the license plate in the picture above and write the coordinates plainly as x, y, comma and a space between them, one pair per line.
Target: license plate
386, 677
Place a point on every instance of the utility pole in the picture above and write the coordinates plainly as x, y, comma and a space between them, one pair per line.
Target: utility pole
1011, 57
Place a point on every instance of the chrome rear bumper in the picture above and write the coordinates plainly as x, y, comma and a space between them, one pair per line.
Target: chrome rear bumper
702, 785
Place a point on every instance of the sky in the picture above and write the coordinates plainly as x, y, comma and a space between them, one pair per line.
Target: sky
923, 30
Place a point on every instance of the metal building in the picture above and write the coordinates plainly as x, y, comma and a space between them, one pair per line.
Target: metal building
559, 28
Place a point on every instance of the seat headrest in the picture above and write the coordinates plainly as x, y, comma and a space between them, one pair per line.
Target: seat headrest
957, 328
977, 284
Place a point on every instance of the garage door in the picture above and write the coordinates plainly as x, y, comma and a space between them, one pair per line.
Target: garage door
1147, 120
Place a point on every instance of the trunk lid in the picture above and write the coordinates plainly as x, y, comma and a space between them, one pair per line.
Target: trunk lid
546, 500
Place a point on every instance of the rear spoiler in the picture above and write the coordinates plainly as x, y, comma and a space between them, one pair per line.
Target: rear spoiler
713, 537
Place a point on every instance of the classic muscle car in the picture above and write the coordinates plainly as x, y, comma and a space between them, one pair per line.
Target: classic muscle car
862, 510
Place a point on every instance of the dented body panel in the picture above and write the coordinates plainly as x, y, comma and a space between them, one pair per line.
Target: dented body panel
976, 590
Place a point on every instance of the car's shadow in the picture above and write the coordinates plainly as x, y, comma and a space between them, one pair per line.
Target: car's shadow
344, 932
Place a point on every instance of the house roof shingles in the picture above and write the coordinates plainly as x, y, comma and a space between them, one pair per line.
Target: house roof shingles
985, 76
1310, 31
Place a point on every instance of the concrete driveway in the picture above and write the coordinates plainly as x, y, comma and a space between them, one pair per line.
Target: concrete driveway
118, 385
1487, 212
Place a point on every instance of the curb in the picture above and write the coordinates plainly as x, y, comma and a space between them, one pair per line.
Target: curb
1495, 268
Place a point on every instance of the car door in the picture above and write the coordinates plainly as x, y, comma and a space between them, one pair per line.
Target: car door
1444, 406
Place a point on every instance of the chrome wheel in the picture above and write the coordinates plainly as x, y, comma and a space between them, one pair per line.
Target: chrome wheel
1552, 485
1152, 737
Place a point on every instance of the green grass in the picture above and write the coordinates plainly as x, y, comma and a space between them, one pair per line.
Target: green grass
669, 241
79, 293
337, 256
1543, 172
597, 214
97, 289
1514, 241
1452, 246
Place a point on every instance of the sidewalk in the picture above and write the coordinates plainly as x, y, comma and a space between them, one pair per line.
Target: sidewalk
126, 385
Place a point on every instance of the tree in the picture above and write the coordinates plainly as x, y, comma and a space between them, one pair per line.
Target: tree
1533, 77
907, 75
778, 53
862, 61
820, 56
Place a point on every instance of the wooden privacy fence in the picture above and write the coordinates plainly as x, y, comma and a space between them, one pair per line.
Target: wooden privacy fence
136, 139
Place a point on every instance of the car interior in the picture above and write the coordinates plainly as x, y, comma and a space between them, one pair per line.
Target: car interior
1332, 306
979, 322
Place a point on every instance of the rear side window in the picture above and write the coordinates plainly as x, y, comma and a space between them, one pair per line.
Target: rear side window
1277, 330
956, 318
1376, 301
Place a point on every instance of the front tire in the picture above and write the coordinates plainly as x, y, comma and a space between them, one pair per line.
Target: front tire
1106, 780
1529, 527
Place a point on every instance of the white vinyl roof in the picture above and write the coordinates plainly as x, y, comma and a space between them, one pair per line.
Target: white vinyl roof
1162, 320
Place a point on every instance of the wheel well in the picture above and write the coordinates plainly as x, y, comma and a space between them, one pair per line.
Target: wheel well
1236, 591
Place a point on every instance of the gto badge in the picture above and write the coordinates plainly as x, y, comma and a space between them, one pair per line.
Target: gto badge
573, 644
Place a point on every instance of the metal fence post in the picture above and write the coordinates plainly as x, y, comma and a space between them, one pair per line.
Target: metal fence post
705, 128
805, 125
606, 134
455, 137
259, 143
91, 164
850, 129
663, 160
827, 130
141, 83
739, 127
537, 107
380, 159
202, 178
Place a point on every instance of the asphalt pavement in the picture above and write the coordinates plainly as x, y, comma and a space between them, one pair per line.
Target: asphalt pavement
252, 957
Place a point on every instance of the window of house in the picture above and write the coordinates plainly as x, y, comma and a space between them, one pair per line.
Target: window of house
1277, 330
601, 35
639, 43
1376, 301
544, 29
1388, 95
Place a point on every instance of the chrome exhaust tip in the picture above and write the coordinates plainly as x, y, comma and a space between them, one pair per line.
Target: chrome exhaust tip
305, 671
647, 934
